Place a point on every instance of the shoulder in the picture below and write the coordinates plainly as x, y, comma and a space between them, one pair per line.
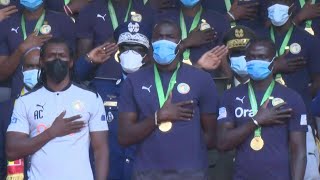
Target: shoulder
195, 72
58, 16
85, 89
94, 7
141, 73
32, 95
288, 93
236, 91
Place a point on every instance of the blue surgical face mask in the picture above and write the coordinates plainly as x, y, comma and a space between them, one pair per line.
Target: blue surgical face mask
239, 65
31, 5
164, 51
278, 14
30, 77
189, 3
259, 69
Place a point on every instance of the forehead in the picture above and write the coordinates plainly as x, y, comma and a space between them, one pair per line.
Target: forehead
280, 1
57, 47
259, 49
165, 29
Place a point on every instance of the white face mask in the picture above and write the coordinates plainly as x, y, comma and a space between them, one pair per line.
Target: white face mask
278, 14
131, 61
30, 77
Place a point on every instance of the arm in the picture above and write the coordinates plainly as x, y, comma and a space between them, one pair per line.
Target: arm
99, 142
315, 86
133, 132
84, 46
230, 136
8, 64
19, 145
297, 141
209, 122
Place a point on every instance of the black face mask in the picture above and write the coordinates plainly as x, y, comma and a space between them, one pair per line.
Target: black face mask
57, 70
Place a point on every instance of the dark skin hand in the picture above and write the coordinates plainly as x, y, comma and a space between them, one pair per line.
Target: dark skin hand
7, 12
288, 65
8, 64
99, 143
197, 38
309, 11
245, 11
230, 136
84, 46
19, 145
102, 53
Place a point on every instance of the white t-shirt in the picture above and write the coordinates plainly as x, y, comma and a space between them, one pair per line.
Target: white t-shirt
62, 158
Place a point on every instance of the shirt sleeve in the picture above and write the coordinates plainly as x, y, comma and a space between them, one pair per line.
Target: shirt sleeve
298, 122
225, 109
209, 96
98, 120
19, 119
127, 101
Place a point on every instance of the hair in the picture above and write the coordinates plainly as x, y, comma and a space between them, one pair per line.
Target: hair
262, 41
42, 78
168, 22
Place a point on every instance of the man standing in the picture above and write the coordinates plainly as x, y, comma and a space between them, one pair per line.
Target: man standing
265, 121
170, 114
55, 123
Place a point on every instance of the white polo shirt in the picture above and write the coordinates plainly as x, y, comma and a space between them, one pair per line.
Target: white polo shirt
67, 157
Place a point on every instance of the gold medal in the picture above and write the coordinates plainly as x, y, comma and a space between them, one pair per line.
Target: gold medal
165, 126
204, 25
277, 101
257, 143
309, 30
45, 28
5, 2
116, 56
187, 61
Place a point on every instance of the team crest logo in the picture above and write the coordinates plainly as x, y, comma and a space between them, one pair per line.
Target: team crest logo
78, 105
239, 33
110, 117
295, 48
277, 101
183, 88
133, 27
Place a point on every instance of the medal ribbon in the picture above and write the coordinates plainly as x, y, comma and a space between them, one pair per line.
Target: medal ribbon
183, 27
66, 2
228, 7
37, 28
159, 86
282, 48
254, 104
302, 3
113, 14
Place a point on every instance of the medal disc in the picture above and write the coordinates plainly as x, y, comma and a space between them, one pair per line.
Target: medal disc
5, 2
257, 143
45, 29
295, 48
277, 101
165, 126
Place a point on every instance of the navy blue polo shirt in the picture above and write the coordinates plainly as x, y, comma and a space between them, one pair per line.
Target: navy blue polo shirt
315, 105
61, 24
183, 147
249, 164
94, 21
315, 21
220, 6
299, 81
55, 5
13, 2
216, 21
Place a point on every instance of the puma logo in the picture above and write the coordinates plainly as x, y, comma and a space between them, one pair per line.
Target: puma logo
147, 88
102, 17
42, 106
15, 30
241, 100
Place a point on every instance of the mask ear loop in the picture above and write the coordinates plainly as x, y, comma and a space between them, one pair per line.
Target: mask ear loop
272, 62
290, 9
178, 48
